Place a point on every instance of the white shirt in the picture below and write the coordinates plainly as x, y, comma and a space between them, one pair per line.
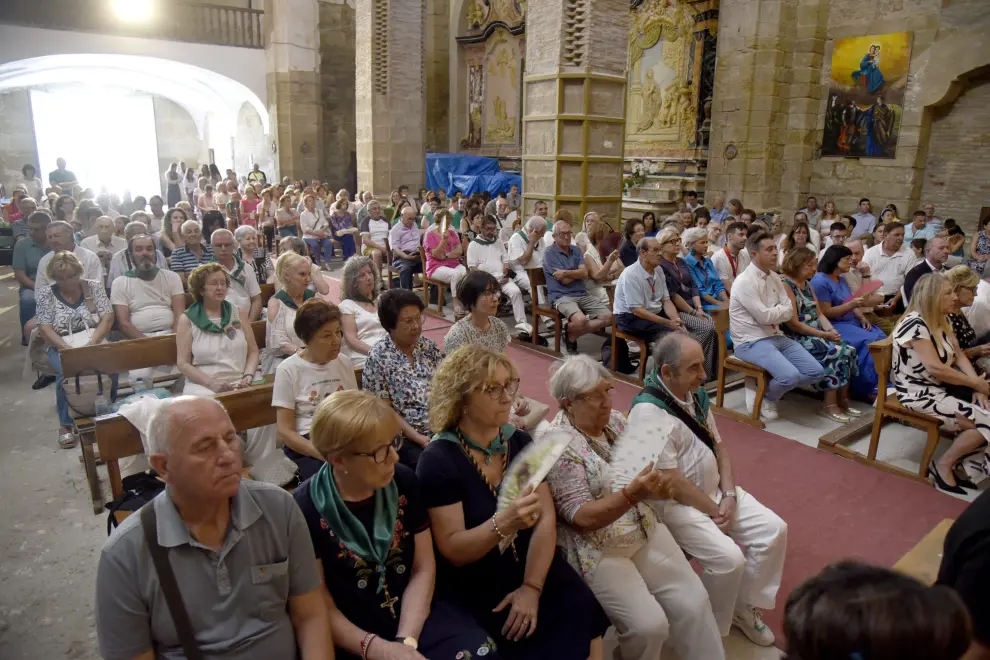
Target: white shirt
93, 244
723, 266
120, 264
758, 305
637, 288
489, 258
239, 295
92, 267
369, 330
978, 314
149, 302
301, 386
889, 269
313, 221
517, 246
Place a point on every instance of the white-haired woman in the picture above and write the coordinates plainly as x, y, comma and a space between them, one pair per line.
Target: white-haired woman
293, 271
631, 562
359, 309
713, 293
250, 251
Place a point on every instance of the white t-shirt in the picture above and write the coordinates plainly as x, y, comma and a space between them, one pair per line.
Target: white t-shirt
93, 244
313, 221
517, 246
150, 303
489, 258
240, 294
369, 330
376, 230
301, 386
92, 267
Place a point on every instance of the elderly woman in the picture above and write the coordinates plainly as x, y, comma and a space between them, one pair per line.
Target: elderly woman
843, 310
443, 258
71, 312
400, 368
316, 231
710, 288
600, 272
810, 328
359, 310
686, 296
715, 237
964, 282
293, 272
342, 226
318, 283
372, 538
932, 374
631, 233
250, 252
630, 561
305, 379
286, 218
528, 599
215, 347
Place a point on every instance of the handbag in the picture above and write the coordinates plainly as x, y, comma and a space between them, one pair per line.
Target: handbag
84, 389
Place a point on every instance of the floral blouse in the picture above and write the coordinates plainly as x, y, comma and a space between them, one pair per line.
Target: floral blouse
495, 338
583, 475
66, 318
388, 374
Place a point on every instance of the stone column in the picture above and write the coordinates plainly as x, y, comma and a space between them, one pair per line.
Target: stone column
574, 93
390, 97
337, 76
293, 53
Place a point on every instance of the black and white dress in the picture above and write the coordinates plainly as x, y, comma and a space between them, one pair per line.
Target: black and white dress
920, 391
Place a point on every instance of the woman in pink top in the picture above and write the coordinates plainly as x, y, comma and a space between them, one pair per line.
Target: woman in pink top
249, 207
443, 257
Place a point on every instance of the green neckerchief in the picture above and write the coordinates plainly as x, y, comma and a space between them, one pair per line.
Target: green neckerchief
523, 235
238, 274
197, 315
481, 241
289, 302
357, 297
346, 526
702, 403
133, 272
498, 446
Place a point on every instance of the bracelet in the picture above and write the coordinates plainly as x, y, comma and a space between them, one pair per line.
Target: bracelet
365, 644
497, 530
626, 495
534, 587
729, 493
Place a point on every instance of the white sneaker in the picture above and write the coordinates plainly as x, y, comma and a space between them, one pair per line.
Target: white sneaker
633, 347
750, 621
769, 410
525, 327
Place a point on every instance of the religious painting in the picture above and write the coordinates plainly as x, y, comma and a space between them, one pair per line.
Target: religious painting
502, 80
476, 100
866, 95
480, 13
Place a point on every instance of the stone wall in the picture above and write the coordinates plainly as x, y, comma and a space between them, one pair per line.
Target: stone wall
438, 35
250, 144
956, 177
17, 145
337, 81
177, 137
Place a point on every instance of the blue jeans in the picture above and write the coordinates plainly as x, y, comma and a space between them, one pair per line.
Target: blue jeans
64, 418
320, 248
788, 363
28, 307
406, 270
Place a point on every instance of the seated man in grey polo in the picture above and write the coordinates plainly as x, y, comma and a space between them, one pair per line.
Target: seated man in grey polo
565, 271
642, 305
240, 551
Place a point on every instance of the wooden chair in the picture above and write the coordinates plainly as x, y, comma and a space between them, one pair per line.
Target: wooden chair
538, 278
644, 349
428, 282
387, 266
732, 363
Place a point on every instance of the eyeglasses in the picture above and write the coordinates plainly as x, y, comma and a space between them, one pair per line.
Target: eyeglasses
412, 321
596, 398
492, 293
381, 453
496, 391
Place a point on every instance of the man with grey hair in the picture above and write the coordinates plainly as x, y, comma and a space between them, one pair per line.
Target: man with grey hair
238, 552
244, 291
642, 304
404, 240
936, 254
61, 238
709, 516
193, 251
122, 262
374, 230
566, 272
526, 250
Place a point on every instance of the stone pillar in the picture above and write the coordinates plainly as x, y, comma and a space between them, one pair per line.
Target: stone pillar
293, 81
437, 65
574, 92
390, 97
337, 94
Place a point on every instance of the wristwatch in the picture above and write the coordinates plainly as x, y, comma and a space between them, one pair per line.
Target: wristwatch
411, 641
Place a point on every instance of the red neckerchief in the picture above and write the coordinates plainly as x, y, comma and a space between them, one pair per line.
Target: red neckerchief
732, 262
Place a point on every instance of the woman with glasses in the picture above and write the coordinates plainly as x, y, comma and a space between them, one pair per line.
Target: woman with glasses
372, 538
305, 379
964, 282
400, 367
628, 559
528, 599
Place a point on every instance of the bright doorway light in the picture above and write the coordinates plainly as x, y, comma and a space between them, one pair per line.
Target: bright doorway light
107, 138
134, 11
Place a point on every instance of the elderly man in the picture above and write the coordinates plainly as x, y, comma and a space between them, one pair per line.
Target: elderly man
642, 305
525, 250
244, 291
404, 239
147, 300
860, 274
738, 542
759, 305
935, 223
732, 259
193, 251
866, 222
27, 206
890, 262
566, 271
104, 243
487, 253
60, 238
257, 175
237, 553
28, 253
718, 211
122, 262
936, 254
506, 219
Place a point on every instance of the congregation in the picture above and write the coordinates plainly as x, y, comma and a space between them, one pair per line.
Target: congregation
393, 543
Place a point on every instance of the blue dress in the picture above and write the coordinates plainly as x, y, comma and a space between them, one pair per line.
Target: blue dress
870, 72
864, 386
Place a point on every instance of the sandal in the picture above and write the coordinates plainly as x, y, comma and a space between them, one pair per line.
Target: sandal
833, 413
67, 440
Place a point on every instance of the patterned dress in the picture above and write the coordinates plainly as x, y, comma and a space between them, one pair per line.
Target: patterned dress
919, 390
982, 247
838, 360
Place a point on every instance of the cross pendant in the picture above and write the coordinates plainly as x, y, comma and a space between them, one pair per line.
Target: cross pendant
390, 602
488, 459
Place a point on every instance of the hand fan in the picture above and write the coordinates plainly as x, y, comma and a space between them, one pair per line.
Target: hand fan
636, 447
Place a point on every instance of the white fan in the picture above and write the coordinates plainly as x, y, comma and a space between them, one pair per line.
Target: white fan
636, 447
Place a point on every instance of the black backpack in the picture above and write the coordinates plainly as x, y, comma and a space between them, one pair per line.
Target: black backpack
623, 363
139, 489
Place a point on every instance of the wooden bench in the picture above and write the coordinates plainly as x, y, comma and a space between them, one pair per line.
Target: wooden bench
731, 363
267, 291
888, 407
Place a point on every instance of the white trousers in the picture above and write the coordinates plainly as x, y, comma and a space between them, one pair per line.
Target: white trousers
451, 276
511, 289
650, 594
733, 577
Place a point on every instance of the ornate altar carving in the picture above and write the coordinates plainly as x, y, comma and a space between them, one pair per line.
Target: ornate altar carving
501, 93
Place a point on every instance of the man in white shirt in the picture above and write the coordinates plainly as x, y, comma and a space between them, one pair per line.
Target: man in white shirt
61, 238
374, 234
731, 260
506, 219
525, 250
642, 305
866, 222
103, 243
889, 262
487, 253
691, 201
813, 213
121, 262
739, 543
244, 291
935, 223
759, 304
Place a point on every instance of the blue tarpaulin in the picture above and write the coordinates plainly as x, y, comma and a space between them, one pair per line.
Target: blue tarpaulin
469, 174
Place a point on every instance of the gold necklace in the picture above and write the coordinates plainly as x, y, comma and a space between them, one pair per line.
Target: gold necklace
481, 473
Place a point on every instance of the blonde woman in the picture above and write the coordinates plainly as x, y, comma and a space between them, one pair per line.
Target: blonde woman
964, 282
293, 272
528, 599
932, 375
